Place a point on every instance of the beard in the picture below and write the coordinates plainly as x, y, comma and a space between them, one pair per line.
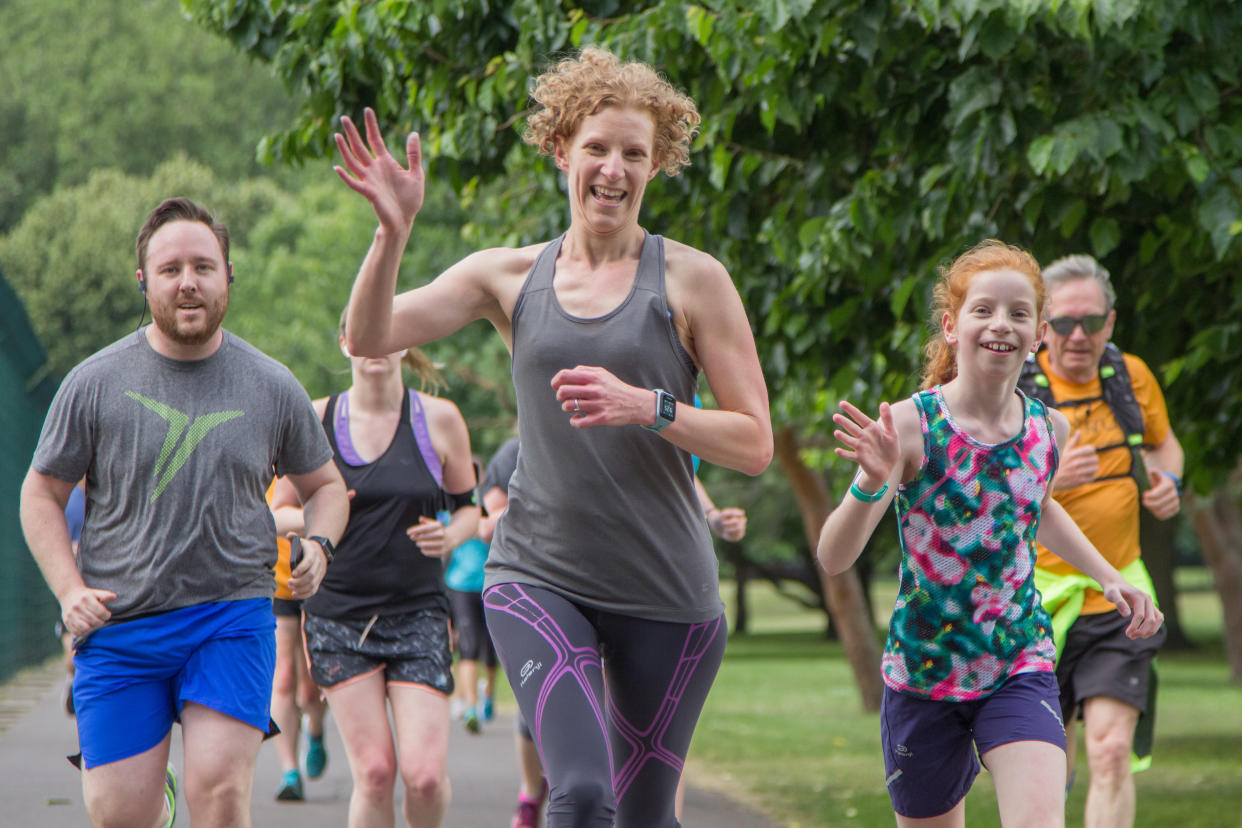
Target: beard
165, 318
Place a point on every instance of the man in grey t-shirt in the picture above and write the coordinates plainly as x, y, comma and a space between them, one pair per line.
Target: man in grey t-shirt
178, 430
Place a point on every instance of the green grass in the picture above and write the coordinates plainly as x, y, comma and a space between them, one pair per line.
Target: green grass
784, 728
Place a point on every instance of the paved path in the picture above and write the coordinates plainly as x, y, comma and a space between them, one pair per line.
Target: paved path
39, 788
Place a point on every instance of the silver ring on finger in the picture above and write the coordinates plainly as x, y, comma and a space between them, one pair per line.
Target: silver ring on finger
577, 407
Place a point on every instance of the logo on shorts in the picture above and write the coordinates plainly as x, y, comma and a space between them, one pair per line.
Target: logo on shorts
1056, 714
178, 423
529, 669
902, 750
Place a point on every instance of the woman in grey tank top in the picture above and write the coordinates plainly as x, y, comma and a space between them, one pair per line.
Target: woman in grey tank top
601, 588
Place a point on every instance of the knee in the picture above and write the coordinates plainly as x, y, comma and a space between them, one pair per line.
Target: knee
283, 680
226, 794
583, 801
308, 695
1108, 756
376, 776
426, 786
111, 812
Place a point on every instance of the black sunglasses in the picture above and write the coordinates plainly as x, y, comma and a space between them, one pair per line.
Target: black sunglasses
1092, 323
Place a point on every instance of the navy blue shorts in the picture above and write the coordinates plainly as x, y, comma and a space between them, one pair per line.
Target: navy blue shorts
132, 679
930, 758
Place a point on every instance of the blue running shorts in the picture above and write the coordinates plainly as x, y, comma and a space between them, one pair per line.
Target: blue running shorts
931, 748
132, 679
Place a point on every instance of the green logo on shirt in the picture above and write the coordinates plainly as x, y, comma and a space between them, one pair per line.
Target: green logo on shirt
176, 425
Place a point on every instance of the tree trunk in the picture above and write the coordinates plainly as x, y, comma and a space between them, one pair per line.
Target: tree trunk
843, 593
735, 554
1218, 523
1160, 557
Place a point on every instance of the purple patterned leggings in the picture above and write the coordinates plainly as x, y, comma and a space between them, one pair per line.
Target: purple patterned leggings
612, 754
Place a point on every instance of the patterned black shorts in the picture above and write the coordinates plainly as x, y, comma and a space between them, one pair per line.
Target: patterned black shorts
411, 648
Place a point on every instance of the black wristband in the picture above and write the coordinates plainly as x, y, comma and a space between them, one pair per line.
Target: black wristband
453, 502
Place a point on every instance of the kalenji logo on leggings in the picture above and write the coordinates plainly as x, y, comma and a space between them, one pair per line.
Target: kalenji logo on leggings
177, 422
529, 669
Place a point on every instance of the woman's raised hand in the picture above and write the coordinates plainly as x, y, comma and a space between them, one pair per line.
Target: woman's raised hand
395, 192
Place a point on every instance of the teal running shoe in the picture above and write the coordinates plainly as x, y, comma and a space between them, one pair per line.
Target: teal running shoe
291, 787
316, 756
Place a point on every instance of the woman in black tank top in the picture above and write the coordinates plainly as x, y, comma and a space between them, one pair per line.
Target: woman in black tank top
377, 631
601, 588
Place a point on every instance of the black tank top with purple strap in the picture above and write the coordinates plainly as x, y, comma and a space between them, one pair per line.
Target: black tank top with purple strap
378, 569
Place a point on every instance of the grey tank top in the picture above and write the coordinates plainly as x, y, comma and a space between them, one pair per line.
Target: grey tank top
605, 516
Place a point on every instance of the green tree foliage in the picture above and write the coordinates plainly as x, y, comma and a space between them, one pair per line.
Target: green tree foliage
293, 279
72, 257
124, 84
849, 148
72, 260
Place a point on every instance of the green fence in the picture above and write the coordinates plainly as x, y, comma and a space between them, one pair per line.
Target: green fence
27, 609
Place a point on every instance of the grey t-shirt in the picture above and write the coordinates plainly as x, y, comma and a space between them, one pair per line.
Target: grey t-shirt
177, 457
501, 467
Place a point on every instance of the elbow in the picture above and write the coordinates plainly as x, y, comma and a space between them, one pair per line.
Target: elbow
759, 459
831, 567
362, 346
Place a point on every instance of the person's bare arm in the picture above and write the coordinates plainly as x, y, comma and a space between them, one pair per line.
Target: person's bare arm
1059, 532
1164, 498
43, 499
883, 449
452, 441
377, 323
729, 523
286, 509
325, 508
495, 501
714, 327
1062, 536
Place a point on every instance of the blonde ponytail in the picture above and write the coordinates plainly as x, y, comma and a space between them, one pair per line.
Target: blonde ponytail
430, 380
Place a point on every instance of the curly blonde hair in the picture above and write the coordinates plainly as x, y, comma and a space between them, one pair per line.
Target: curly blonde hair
577, 87
950, 292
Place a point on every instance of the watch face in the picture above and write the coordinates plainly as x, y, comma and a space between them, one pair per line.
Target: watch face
668, 407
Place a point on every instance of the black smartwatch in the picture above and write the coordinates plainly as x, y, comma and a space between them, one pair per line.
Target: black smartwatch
329, 551
666, 410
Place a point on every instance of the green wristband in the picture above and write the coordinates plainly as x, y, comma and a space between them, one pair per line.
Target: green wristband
866, 497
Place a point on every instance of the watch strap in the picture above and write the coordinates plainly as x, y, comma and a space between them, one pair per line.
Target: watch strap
666, 410
329, 549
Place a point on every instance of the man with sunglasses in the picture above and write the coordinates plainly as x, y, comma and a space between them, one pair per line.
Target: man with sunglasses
1122, 455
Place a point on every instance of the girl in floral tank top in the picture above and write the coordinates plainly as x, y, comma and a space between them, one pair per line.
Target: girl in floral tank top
967, 618
968, 461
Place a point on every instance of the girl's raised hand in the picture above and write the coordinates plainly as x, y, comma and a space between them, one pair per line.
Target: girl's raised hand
395, 192
872, 444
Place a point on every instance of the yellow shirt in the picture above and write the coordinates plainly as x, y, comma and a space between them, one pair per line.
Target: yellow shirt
1107, 511
282, 556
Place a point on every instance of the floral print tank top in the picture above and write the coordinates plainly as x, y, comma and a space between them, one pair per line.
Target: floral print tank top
968, 615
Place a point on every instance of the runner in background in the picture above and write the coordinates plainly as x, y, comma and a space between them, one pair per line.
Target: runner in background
294, 695
969, 461
464, 580
377, 632
75, 514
